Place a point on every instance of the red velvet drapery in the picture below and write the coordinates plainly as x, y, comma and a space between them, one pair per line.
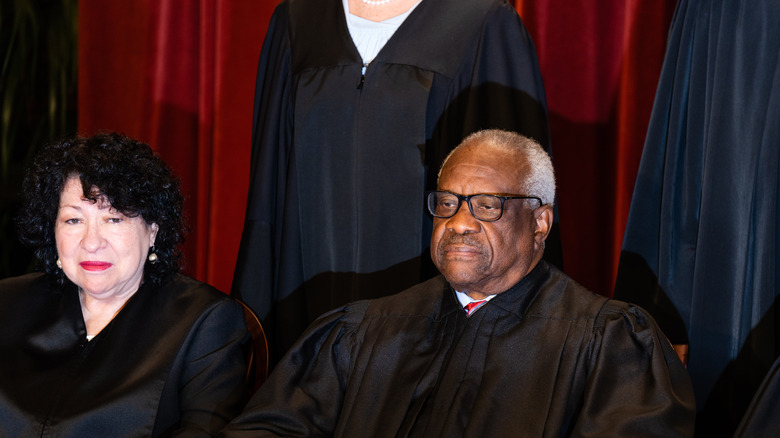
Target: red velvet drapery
600, 61
179, 74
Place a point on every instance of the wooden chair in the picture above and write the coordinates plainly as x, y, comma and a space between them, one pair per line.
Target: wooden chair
257, 366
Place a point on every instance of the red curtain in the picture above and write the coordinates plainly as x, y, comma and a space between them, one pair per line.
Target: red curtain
600, 62
180, 75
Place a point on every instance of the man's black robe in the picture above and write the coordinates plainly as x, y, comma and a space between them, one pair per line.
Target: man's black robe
340, 161
546, 358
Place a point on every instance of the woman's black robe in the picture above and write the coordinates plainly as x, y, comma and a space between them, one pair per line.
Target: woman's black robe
171, 361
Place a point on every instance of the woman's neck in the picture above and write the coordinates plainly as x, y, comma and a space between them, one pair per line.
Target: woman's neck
98, 312
380, 12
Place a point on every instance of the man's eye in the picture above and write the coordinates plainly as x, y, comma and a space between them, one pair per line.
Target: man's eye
487, 206
447, 203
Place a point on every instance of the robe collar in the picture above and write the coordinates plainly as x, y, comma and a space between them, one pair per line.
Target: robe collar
320, 37
516, 299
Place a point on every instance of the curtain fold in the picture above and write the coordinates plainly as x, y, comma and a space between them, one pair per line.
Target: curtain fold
600, 62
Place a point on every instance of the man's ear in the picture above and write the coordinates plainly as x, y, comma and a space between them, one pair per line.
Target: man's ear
543, 217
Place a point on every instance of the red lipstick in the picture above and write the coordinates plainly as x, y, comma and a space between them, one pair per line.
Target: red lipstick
95, 266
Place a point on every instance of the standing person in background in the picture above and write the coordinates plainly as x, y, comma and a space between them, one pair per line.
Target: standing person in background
702, 240
357, 102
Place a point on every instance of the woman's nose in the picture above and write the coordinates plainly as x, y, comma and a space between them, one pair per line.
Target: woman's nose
93, 237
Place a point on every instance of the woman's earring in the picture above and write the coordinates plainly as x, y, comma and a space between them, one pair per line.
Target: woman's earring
59, 263
152, 255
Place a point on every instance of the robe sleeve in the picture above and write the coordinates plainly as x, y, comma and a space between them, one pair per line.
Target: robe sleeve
506, 89
637, 385
761, 418
212, 387
258, 253
304, 394
499, 85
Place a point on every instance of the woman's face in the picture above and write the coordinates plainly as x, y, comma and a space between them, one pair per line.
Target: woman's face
101, 250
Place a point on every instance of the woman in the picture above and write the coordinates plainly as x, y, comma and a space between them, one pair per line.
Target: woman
110, 340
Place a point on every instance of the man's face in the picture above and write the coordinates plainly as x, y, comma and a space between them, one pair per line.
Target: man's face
485, 258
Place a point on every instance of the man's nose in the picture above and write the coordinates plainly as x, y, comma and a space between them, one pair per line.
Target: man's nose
463, 221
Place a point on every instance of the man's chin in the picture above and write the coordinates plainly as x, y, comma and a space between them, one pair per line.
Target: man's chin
463, 270
459, 281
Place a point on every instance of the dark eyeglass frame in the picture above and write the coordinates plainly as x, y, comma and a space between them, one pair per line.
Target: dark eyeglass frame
467, 199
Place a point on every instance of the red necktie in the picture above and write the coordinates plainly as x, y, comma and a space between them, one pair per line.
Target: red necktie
474, 305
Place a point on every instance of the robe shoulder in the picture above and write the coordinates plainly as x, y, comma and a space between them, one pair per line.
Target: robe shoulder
561, 297
477, 22
172, 360
420, 300
596, 365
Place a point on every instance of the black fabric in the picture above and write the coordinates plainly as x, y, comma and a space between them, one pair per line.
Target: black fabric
701, 246
546, 358
340, 163
761, 419
171, 361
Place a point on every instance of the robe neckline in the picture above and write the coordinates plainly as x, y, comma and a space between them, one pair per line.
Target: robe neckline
454, 24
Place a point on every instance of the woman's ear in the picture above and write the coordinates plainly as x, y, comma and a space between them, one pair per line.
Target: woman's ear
154, 228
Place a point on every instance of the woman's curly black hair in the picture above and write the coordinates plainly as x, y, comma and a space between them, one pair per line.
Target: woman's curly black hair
126, 172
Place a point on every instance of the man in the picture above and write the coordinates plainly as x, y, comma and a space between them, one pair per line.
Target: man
541, 356
352, 116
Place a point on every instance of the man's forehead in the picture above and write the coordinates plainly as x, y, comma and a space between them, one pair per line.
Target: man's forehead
485, 154
485, 168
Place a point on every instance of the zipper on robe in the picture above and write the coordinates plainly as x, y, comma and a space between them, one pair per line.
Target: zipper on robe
363, 76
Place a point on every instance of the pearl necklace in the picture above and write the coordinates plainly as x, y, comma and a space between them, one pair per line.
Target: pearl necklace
376, 2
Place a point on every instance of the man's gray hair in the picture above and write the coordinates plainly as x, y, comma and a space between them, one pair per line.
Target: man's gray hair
540, 179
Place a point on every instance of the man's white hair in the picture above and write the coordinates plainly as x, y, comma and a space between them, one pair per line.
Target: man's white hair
540, 179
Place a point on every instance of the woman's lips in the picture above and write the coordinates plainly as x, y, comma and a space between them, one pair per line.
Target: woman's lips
95, 266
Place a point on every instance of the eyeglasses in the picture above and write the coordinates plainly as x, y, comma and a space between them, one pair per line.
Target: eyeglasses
487, 208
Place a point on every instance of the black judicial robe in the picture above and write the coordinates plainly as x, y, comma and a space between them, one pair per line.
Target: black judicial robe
702, 240
762, 419
340, 161
172, 361
546, 358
